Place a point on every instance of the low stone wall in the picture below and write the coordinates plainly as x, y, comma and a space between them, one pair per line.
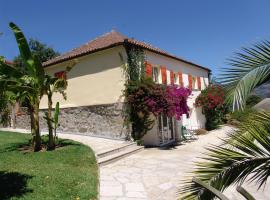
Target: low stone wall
99, 120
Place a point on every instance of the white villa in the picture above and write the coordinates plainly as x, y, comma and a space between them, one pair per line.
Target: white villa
96, 82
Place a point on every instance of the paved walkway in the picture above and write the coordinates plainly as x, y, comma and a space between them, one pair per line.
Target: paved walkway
155, 174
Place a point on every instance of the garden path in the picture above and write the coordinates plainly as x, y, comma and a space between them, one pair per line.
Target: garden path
155, 174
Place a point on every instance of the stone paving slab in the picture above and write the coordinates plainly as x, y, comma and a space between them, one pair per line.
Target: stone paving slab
155, 174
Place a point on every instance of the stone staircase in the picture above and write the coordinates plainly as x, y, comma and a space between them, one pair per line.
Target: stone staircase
111, 155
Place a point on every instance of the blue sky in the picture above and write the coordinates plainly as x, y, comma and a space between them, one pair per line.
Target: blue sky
206, 32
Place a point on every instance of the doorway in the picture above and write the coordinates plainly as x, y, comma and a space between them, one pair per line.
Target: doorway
166, 129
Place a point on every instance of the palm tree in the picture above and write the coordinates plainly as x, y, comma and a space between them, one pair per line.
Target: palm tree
245, 154
249, 70
26, 82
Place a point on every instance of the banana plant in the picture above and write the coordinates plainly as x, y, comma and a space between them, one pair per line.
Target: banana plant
56, 118
52, 123
26, 82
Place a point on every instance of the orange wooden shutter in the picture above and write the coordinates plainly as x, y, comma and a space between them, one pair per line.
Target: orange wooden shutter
164, 74
172, 77
148, 69
199, 83
190, 81
181, 84
61, 74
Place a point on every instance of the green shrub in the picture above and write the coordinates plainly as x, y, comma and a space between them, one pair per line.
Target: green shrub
239, 116
253, 100
211, 100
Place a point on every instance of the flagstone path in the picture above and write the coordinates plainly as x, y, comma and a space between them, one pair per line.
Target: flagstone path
155, 174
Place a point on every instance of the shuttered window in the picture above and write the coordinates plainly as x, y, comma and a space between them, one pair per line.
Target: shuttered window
61, 74
181, 83
148, 69
172, 77
163, 74
199, 83
190, 81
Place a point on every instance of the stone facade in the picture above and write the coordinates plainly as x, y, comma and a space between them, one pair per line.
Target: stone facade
99, 120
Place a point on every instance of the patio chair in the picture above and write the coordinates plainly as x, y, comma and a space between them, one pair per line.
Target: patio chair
188, 134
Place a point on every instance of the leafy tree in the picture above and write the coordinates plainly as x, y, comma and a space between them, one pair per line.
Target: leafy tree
40, 50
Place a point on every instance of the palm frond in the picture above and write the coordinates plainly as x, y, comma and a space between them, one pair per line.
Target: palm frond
248, 70
239, 159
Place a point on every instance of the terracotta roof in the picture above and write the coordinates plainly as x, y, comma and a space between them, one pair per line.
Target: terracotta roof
109, 40
8, 62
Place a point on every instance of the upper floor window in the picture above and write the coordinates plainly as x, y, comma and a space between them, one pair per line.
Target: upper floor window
155, 74
61, 74
194, 83
176, 78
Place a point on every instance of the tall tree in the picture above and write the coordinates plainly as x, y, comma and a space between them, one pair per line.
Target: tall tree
40, 50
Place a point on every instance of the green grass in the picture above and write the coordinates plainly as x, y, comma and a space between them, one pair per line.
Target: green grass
69, 172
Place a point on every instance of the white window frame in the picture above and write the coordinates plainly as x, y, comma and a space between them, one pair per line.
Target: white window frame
176, 78
156, 78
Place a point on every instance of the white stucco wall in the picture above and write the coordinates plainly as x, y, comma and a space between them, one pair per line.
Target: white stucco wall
96, 79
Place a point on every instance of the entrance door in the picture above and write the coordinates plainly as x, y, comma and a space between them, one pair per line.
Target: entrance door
166, 129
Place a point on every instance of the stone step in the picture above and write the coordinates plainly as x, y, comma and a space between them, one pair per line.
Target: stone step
117, 156
111, 151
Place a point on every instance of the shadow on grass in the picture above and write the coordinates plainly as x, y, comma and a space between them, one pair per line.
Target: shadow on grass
27, 148
13, 147
13, 184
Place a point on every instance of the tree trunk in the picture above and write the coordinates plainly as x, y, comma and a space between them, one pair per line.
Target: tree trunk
51, 143
13, 115
35, 127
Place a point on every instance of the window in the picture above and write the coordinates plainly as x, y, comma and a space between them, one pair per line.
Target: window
194, 81
176, 78
61, 74
155, 76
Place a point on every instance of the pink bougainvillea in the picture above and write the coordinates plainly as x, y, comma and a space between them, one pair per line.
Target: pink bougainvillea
176, 98
157, 99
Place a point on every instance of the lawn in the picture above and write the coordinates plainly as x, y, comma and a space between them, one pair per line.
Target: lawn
70, 172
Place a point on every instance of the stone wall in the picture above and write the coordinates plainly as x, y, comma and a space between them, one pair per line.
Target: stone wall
99, 120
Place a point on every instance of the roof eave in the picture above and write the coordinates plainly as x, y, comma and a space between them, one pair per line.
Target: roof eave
122, 43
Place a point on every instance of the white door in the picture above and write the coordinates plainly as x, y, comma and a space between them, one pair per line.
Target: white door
166, 129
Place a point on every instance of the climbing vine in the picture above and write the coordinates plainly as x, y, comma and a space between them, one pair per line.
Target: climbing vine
145, 100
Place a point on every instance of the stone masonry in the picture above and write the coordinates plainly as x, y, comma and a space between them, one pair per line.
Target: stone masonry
98, 120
